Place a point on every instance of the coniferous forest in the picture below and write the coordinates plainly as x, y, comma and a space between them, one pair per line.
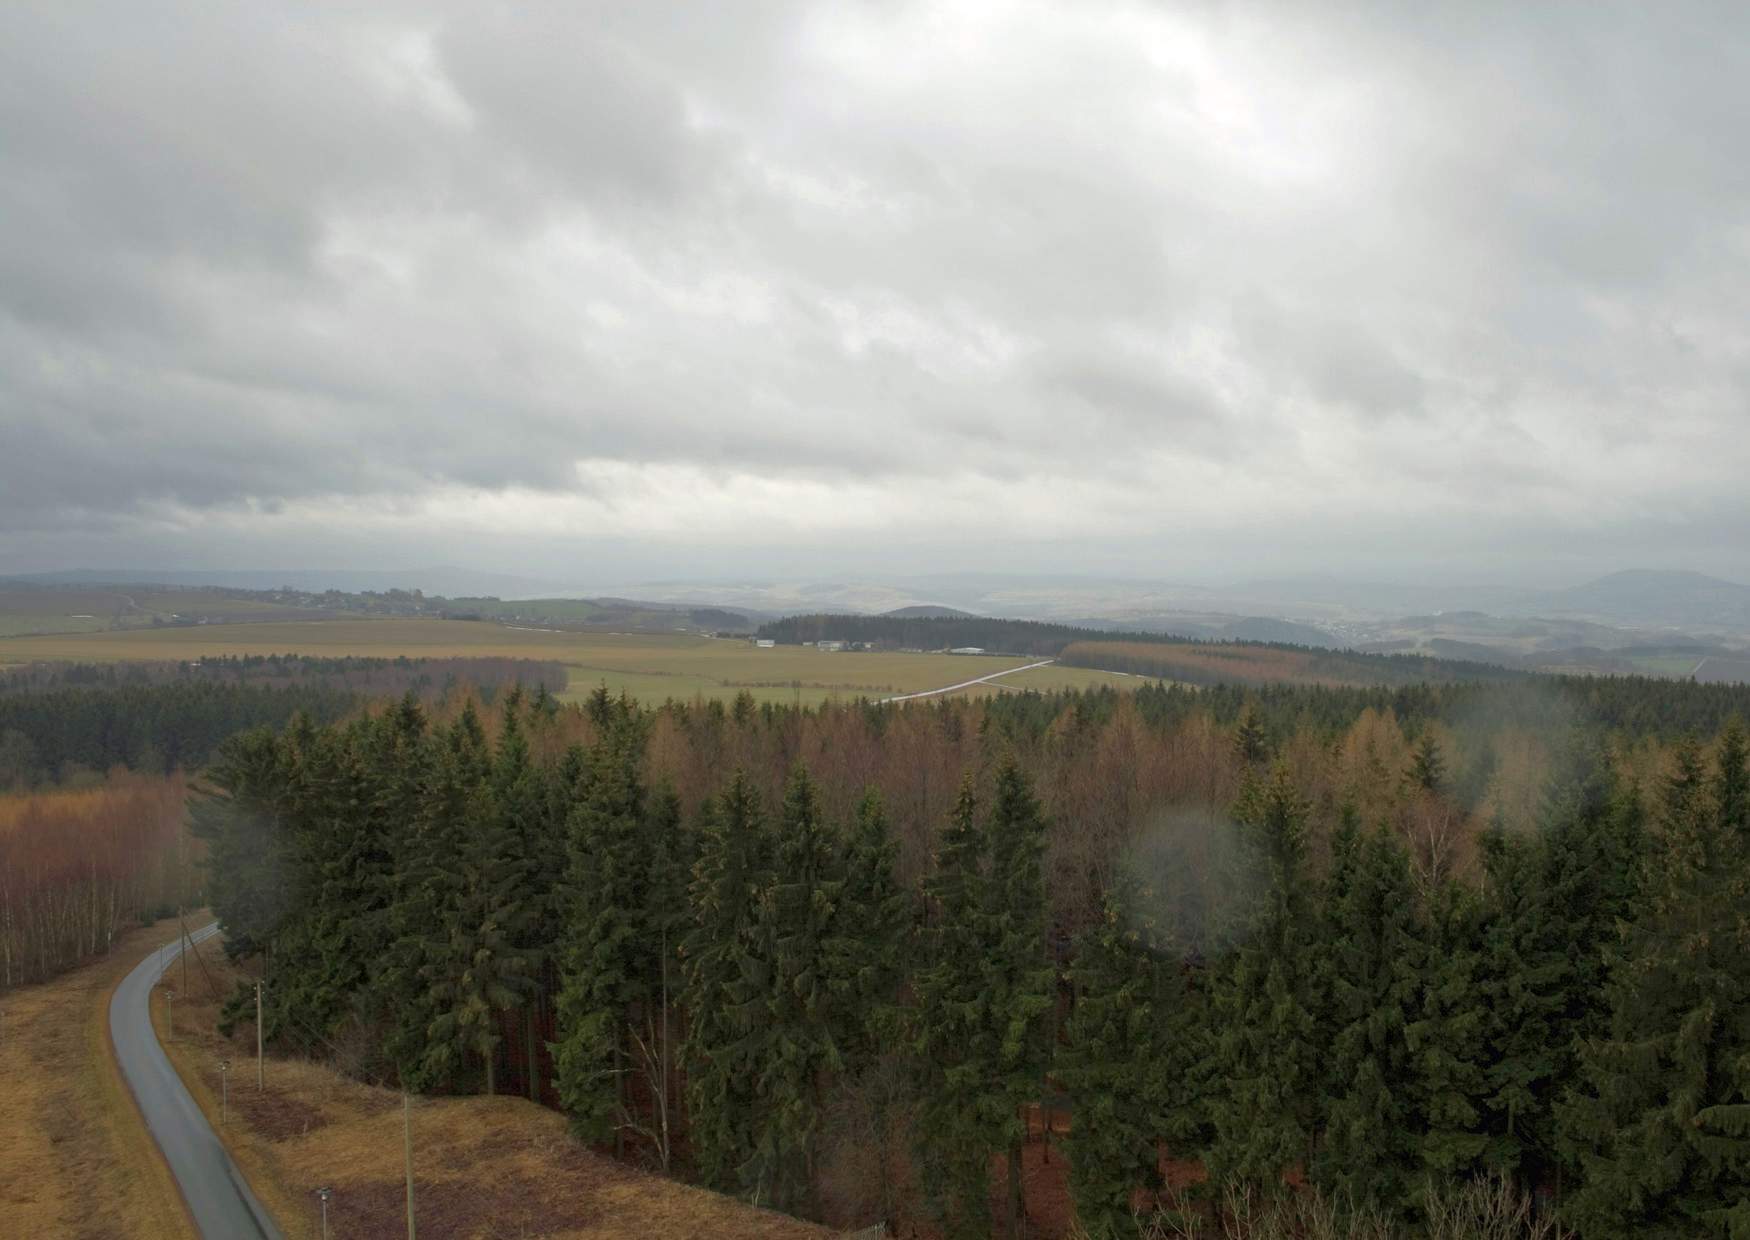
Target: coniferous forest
1368, 946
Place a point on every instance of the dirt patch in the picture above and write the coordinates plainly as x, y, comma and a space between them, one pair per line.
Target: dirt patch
275, 1114
454, 1210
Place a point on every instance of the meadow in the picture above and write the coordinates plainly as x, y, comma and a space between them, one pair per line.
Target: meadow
652, 667
57, 611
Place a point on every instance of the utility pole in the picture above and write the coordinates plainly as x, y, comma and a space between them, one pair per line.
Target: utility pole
259, 1085
407, 1150
183, 926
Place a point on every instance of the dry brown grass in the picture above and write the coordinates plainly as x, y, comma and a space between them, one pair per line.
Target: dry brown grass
75, 1158
1200, 663
484, 1167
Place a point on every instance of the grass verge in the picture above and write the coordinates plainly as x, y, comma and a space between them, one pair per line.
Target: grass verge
484, 1167
75, 1156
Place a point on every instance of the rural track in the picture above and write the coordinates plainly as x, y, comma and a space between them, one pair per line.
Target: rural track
967, 684
218, 1198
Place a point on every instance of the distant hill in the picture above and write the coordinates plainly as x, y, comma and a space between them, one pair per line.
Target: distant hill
435, 580
30, 606
896, 632
1255, 663
1265, 629
600, 613
1646, 596
1141, 654
928, 612
1634, 598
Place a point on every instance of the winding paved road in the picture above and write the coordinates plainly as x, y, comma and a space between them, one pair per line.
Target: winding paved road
216, 1193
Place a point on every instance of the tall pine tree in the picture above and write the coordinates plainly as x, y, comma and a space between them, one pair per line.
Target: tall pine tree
1447, 1069
1662, 1116
1118, 1059
1020, 977
476, 964
952, 1032
1266, 1056
606, 937
1367, 1155
797, 1039
879, 911
722, 974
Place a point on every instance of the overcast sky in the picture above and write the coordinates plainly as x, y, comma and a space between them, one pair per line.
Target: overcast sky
1195, 292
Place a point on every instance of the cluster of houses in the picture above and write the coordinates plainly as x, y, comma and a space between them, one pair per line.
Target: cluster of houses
766, 643
833, 645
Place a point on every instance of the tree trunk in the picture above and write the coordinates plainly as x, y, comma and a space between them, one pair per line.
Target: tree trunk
662, 1099
532, 1045
1014, 1192
620, 1091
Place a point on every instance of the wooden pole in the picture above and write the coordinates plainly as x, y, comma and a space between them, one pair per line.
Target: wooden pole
259, 1082
407, 1152
183, 926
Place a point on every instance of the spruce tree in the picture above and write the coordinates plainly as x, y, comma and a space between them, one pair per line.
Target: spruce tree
1554, 901
952, 1035
475, 963
239, 812
1447, 1069
1250, 741
879, 914
1020, 977
671, 851
600, 977
428, 893
524, 801
721, 974
1265, 1055
878, 911
1367, 1155
403, 752
1427, 766
801, 1019
345, 855
1114, 1060
1662, 1116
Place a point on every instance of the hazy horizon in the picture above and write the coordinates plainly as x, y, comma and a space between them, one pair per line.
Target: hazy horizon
598, 294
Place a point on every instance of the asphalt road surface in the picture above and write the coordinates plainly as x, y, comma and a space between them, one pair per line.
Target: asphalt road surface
216, 1193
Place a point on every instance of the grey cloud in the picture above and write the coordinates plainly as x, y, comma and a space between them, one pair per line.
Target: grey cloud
256, 259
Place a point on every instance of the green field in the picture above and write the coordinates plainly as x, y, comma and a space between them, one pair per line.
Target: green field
650, 666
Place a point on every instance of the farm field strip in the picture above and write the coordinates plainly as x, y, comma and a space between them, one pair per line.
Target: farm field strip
649, 666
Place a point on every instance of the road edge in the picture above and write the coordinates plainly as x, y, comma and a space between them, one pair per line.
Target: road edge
253, 1163
117, 1081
